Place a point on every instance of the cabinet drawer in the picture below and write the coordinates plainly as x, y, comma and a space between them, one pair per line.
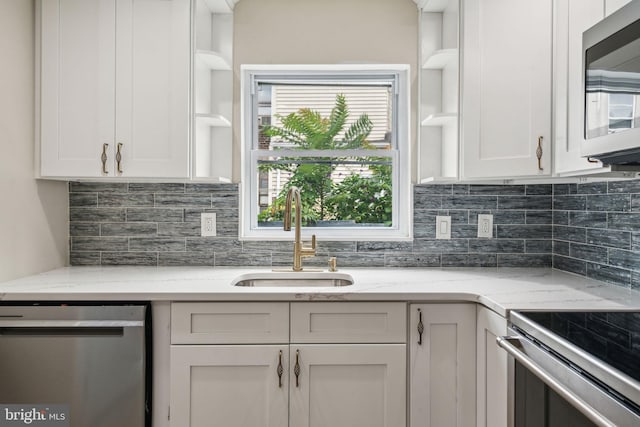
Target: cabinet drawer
229, 323
331, 322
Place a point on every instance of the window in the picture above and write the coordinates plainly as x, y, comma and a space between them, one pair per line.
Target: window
338, 133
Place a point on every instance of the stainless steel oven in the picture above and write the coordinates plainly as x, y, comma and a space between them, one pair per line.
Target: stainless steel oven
575, 368
92, 359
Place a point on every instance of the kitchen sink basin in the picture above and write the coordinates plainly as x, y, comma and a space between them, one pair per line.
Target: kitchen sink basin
294, 279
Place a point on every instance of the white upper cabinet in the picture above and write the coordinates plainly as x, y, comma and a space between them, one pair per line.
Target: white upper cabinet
114, 88
506, 88
573, 17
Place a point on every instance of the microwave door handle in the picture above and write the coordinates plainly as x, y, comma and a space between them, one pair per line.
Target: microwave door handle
507, 343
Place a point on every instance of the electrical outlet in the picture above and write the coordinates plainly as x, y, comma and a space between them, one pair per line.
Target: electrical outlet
485, 226
443, 227
208, 224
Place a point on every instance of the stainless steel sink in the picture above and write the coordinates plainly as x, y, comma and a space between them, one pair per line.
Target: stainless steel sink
293, 279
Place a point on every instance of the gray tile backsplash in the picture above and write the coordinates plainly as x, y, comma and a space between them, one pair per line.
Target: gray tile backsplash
595, 226
159, 224
590, 229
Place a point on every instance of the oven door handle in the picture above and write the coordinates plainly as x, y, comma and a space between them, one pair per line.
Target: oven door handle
511, 343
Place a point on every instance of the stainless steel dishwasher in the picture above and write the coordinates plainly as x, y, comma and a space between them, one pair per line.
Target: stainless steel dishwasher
93, 358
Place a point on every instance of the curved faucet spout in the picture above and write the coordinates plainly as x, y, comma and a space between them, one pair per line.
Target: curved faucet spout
299, 251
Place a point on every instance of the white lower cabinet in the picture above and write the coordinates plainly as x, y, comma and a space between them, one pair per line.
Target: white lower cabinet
442, 366
354, 385
261, 383
493, 369
231, 386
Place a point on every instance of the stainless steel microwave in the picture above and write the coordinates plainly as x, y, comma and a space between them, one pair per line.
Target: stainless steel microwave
611, 82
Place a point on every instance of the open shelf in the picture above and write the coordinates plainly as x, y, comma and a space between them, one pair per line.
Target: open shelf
220, 6
440, 59
438, 134
216, 120
438, 179
433, 5
213, 91
441, 119
213, 60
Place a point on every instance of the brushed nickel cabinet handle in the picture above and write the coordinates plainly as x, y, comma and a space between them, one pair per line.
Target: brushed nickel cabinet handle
119, 158
296, 368
539, 153
279, 369
104, 158
420, 327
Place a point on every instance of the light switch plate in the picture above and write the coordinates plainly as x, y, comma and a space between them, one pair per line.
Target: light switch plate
485, 226
443, 227
208, 224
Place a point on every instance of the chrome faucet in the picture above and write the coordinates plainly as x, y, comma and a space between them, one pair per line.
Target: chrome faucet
299, 250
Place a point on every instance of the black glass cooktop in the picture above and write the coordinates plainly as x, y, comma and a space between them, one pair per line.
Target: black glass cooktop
613, 337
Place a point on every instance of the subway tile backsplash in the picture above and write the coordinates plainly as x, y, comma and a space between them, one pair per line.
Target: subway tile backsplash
590, 229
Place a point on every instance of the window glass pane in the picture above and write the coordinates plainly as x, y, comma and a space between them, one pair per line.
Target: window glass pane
620, 111
335, 192
325, 116
617, 125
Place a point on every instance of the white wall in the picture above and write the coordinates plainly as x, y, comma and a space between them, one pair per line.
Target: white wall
33, 214
324, 32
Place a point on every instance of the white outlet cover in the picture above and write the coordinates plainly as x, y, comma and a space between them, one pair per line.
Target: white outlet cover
208, 224
485, 226
443, 227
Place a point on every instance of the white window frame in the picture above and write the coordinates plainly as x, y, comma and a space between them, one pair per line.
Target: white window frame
401, 179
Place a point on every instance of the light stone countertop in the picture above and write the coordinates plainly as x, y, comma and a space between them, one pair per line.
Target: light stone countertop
500, 289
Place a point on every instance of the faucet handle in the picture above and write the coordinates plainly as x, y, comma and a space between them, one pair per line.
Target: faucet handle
333, 264
313, 241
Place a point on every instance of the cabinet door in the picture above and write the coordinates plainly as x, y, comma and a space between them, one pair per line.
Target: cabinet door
442, 365
231, 386
358, 385
492, 365
77, 86
506, 88
152, 83
573, 17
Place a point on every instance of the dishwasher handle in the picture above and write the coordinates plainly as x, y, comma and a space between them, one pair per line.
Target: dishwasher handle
71, 323
66, 328
62, 332
511, 343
